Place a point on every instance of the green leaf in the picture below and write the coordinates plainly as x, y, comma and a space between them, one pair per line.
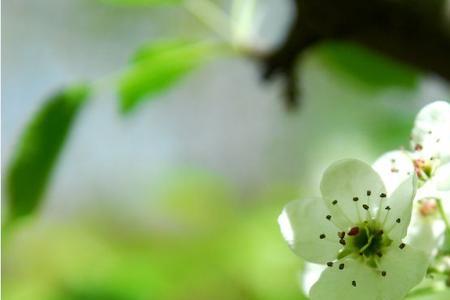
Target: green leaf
38, 150
140, 2
366, 67
157, 66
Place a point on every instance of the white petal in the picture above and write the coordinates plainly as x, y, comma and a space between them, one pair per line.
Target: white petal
431, 132
425, 233
404, 268
430, 190
394, 167
348, 179
442, 177
311, 273
302, 223
395, 213
336, 284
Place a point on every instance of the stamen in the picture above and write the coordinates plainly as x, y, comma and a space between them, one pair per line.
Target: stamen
334, 202
322, 236
398, 220
342, 242
341, 234
341, 267
354, 283
368, 214
330, 264
402, 245
388, 208
369, 202
329, 218
383, 273
382, 197
355, 199
354, 231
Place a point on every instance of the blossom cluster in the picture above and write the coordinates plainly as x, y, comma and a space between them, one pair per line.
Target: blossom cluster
376, 231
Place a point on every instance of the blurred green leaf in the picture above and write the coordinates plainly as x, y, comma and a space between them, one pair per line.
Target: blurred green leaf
38, 150
140, 2
157, 66
366, 67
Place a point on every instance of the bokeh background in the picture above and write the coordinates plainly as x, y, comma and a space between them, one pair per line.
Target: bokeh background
180, 198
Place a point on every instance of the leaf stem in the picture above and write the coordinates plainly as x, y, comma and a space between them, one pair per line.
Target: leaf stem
443, 215
212, 16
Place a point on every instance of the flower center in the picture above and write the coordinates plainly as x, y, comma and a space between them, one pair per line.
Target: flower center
366, 240
427, 207
423, 168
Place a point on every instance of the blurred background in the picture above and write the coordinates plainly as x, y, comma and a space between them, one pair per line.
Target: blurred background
179, 199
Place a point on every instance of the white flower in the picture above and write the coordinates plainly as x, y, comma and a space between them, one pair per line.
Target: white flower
430, 160
357, 231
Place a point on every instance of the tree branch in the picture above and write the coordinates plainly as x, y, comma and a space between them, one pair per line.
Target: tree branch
414, 32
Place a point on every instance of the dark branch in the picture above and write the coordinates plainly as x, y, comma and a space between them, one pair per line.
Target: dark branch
413, 32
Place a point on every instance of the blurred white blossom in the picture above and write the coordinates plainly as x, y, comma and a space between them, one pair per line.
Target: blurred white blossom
260, 25
429, 159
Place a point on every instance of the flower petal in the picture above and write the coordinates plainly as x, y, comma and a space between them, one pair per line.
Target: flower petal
355, 281
394, 167
425, 233
349, 185
404, 268
395, 214
311, 273
308, 231
442, 177
431, 132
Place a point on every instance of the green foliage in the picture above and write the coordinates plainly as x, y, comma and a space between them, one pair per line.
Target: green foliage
157, 66
366, 67
38, 150
140, 2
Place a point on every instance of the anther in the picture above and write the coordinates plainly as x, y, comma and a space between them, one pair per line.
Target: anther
402, 245
369, 193
387, 208
398, 220
379, 254
354, 231
355, 199
328, 217
322, 236
365, 206
383, 273
342, 242
341, 267
334, 202
330, 264
354, 283
383, 195
341, 234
